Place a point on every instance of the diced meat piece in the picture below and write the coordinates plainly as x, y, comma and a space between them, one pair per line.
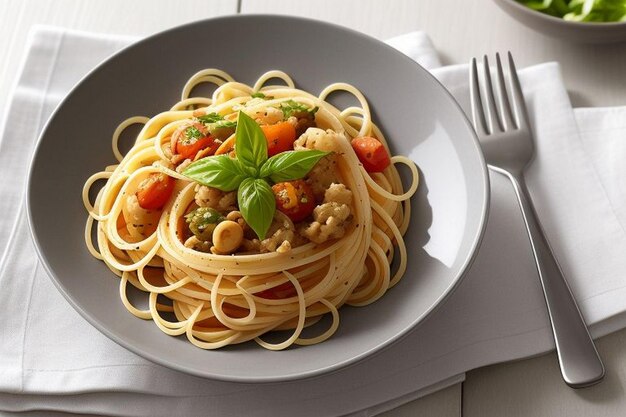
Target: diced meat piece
323, 140
330, 222
196, 244
322, 175
265, 116
282, 235
338, 193
216, 199
139, 221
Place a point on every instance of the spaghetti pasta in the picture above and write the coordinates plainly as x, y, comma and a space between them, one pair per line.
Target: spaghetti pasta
339, 253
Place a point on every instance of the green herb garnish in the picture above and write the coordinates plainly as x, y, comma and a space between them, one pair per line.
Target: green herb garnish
215, 121
291, 108
250, 171
192, 134
259, 94
290, 165
257, 204
220, 171
210, 118
224, 124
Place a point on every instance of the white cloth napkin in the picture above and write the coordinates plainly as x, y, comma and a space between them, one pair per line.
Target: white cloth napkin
51, 359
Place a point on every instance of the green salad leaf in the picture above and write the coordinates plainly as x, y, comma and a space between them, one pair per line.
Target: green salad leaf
581, 10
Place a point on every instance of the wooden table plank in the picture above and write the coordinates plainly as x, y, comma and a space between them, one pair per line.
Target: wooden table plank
463, 29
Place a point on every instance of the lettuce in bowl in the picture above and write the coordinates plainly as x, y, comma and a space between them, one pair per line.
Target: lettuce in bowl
581, 10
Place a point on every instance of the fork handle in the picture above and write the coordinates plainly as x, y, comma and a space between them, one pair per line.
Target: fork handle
579, 361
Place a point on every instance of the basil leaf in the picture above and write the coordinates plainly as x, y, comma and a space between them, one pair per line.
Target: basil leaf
250, 142
257, 204
221, 172
291, 165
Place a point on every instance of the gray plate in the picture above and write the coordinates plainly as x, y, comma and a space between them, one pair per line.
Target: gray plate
417, 114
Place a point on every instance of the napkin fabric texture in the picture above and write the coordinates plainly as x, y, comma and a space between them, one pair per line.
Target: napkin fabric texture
52, 360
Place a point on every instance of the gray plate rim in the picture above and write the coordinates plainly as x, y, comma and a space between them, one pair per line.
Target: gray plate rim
471, 256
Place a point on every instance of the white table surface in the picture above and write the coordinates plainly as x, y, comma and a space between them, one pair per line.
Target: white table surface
594, 75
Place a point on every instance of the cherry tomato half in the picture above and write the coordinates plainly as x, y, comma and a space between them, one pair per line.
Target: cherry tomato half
371, 153
154, 191
188, 140
295, 199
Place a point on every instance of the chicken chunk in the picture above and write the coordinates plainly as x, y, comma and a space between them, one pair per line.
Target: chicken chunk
338, 193
140, 222
215, 199
330, 222
323, 140
282, 235
196, 244
266, 116
323, 175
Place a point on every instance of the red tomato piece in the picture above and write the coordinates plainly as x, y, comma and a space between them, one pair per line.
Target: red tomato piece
189, 139
154, 192
280, 137
295, 199
371, 153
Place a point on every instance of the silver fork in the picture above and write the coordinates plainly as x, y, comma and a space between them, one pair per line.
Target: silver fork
507, 143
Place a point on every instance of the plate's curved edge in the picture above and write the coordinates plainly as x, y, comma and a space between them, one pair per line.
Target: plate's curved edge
486, 203
286, 377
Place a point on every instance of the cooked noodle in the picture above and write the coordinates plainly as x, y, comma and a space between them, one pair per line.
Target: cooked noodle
214, 299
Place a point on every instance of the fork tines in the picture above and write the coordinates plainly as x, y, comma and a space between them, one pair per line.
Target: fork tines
506, 114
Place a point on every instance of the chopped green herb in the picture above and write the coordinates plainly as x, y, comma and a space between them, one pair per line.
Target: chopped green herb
293, 108
210, 118
224, 124
192, 133
216, 121
258, 94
